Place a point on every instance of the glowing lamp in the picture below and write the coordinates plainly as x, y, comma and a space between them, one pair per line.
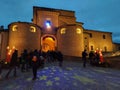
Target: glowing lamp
8, 47
13, 47
48, 24
6, 62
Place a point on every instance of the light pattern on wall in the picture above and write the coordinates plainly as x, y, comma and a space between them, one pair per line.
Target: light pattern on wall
78, 31
63, 31
14, 28
32, 29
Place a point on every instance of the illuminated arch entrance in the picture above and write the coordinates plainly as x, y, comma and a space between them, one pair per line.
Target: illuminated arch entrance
48, 43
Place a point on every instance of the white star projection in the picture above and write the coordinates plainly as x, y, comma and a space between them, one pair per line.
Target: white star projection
57, 83
67, 78
75, 83
49, 83
44, 77
57, 78
83, 79
69, 68
28, 79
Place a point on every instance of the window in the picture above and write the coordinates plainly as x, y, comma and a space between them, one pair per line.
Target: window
90, 35
105, 49
104, 37
48, 24
118, 48
85, 37
91, 47
14, 28
63, 31
78, 30
32, 29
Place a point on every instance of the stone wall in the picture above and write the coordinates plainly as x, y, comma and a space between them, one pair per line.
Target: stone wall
23, 37
70, 43
4, 44
100, 40
116, 46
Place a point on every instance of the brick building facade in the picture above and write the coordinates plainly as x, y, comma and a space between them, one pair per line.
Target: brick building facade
54, 29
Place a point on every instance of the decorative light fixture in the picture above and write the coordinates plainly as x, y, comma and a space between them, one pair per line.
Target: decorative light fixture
14, 28
63, 31
32, 29
78, 30
48, 24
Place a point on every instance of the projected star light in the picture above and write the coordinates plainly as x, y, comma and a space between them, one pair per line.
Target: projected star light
49, 83
67, 78
44, 77
57, 78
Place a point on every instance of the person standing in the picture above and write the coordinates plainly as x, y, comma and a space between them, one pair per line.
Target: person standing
24, 61
60, 58
0, 69
91, 57
84, 58
13, 63
35, 64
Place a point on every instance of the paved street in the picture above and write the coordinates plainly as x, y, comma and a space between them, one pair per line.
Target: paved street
72, 76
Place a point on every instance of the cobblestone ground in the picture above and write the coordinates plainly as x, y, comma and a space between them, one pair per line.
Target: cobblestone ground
72, 76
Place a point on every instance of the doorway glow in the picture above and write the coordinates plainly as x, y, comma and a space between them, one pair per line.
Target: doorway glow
48, 44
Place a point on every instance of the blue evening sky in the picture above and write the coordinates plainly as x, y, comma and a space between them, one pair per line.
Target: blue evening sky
101, 15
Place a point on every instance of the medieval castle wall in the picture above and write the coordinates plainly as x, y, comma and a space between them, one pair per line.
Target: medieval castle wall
24, 36
3, 44
67, 35
70, 40
100, 40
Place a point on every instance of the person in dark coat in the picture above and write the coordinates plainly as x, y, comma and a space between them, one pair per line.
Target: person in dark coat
97, 57
13, 63
24, 61
91, 57
84, 57
35, 64
60, 58
1, 62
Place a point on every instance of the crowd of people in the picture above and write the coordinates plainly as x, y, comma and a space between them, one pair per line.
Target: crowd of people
32, 60
94, 57
37, 59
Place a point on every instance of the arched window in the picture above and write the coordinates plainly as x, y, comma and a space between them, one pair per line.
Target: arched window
63, 31
32, 29
91, 47
105, 48
78, 31
104, 37
14, 28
